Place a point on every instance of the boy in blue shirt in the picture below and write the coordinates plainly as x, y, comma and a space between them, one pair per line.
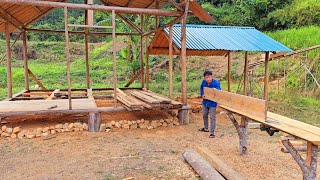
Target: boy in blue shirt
209, 107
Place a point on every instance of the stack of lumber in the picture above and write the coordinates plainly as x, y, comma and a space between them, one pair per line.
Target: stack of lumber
165, 103
153, 102
130, 102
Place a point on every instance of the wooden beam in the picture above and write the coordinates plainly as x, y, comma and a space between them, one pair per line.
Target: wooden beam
133, 79
117, 9
176, 5
8, 49
52, 94
170, 62
178, 19
229, 71
253, 108
266, 76
245, 73
36, 80
141, 52
11, 19
128, 21
157, 17
147, 63
25, 60
68, 56
114, 55
82, 32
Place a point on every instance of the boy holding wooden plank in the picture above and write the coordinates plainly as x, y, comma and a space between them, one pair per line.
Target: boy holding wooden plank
209, 107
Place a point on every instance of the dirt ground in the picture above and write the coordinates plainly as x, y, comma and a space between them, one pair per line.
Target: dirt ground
138, 153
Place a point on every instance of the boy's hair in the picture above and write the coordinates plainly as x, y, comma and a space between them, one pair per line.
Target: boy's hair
207, 73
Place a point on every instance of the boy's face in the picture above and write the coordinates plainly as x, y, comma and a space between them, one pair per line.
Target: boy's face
208, 78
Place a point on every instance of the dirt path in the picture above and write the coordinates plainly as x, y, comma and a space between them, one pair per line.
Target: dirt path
142, 154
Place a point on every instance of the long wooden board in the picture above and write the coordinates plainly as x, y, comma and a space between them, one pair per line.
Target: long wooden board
244, 105
40, 105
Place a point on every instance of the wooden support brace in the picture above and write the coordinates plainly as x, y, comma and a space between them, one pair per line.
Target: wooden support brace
133, 78
242, 132
52, 94
308, 166
35, 79
94, 122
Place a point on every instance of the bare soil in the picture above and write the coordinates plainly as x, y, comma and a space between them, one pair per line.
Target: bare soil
138, 153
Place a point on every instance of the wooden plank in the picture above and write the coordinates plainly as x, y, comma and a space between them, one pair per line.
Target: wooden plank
220, 165
297, 124
35, 79
42, 105
160, 98
244, 105
52, 94
144, 97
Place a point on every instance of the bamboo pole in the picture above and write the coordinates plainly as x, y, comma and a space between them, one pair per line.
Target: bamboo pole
117, 9
25, 60
114, 57
245, 80
170, 62
9, 73
141, 52
147, 63
229, 71
266, 76
68, 56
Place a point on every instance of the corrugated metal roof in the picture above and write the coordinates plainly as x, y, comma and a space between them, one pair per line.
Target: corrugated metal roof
231, 38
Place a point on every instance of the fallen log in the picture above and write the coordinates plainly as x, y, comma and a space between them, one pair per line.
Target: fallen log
220, 165
200, 165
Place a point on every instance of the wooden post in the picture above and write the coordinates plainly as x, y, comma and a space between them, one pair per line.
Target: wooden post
266, 76
94, 122
25, 61
114, 58
308, 166
184, 112
245, 73
157, 17
87, 15
8, 48
68, 56
147, 62
170, 62
229, 71
141, 52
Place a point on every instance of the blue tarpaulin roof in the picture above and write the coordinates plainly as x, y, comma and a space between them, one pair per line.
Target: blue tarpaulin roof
231, 38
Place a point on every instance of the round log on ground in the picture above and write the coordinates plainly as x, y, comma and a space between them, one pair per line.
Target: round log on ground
200, 165
220, 165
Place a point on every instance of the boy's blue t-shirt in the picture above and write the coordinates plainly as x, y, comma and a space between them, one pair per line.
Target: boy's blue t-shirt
214, 84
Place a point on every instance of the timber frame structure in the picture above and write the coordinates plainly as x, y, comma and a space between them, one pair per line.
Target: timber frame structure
19, 14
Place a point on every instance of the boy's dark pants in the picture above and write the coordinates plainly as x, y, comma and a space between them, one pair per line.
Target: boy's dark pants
205, 112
